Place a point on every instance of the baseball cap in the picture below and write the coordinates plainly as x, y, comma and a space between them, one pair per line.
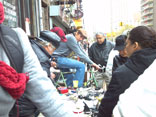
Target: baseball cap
120, 42
60, 33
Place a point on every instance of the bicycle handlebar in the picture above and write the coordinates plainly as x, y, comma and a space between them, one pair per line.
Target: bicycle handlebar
102, 68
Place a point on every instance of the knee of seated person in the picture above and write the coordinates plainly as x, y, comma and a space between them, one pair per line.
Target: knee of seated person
81, 67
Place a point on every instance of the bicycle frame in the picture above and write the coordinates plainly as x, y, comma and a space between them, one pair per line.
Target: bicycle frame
92, 77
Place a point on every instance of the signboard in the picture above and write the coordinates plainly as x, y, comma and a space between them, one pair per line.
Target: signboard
78, 23
10, 13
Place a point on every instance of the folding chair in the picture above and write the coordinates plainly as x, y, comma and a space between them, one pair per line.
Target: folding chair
61, 77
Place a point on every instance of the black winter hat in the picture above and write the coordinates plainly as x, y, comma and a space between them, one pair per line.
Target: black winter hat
120, 42
50, 37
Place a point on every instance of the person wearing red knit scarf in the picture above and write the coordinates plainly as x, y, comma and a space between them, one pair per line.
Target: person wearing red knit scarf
14, 83
40, 91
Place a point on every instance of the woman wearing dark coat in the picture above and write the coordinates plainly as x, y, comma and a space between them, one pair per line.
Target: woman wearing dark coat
141, 50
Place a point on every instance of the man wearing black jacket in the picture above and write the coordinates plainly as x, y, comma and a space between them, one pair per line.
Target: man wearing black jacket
98, 53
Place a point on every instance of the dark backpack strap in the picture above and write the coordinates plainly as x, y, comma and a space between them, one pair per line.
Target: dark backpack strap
11, 45
14, 111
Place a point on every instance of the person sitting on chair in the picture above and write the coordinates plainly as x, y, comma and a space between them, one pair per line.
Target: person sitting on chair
65, 49
43, 47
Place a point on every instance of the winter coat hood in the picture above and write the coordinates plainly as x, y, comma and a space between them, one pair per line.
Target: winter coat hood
141, 59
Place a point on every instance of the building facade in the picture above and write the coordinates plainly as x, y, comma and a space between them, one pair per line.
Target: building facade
36, 15
66, 14
123, 13
148, 16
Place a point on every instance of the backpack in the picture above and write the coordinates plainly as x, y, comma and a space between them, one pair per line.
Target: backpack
12, 46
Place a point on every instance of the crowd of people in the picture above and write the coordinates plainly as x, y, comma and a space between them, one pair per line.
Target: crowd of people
27, 85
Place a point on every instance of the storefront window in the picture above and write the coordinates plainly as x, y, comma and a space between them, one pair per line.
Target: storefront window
10, 13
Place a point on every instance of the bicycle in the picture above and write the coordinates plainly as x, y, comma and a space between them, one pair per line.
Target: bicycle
92, 81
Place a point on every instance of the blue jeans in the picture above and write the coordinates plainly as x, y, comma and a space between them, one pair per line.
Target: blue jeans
67, 63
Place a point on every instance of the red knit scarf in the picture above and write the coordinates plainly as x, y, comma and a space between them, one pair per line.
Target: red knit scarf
14, 83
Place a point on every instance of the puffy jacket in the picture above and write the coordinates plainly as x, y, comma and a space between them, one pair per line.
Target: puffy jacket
123, 76
118, 61
99, 53
42, 55
139, 99
26, 107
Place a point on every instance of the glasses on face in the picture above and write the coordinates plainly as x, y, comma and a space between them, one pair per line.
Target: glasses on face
82, 36
52, 46
99, 37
